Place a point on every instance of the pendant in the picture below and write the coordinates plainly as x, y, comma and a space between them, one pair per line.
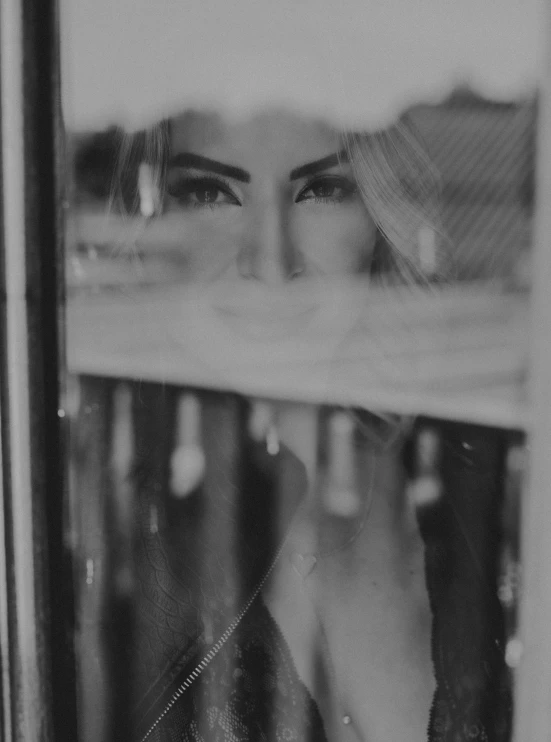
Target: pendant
303, 564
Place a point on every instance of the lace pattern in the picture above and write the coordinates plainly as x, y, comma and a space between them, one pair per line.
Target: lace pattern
251, 691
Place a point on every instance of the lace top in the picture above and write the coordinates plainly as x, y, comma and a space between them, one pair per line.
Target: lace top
207, 680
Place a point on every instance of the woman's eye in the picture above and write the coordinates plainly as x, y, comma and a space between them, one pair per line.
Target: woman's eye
329, 189
202, 192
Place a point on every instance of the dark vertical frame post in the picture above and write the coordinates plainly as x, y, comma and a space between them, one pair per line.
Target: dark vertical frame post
36, 606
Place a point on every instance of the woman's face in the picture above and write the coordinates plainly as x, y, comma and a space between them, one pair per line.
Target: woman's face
266, 216
271, 199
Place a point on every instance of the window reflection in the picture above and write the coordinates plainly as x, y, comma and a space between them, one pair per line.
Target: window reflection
299, 354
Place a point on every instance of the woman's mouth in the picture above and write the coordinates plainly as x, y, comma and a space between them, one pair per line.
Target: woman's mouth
264, 313
239, 326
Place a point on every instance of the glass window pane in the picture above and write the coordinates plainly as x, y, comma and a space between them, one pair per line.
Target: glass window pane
298, 274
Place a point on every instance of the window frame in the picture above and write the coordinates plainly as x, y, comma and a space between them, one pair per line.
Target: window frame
36, 602
36, 595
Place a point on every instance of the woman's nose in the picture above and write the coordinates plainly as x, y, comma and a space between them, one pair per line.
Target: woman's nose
270, 254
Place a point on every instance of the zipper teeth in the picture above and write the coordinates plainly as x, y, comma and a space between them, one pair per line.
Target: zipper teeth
211, 654
434, 647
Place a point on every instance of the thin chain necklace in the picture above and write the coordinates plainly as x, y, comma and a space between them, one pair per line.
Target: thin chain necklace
306, 562
363, 520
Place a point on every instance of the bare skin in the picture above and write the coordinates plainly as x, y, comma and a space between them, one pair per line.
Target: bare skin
365, 609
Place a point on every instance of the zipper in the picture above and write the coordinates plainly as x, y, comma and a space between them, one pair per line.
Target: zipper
432, 716
433, 644
211, 654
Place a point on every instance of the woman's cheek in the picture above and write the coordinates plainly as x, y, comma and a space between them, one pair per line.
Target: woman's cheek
203, 245
213, 254
337, 240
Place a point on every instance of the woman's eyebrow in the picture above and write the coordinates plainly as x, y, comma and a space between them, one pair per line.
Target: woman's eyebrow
311, 168
191, 160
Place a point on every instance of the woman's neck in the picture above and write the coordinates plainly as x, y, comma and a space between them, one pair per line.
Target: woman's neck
368, 596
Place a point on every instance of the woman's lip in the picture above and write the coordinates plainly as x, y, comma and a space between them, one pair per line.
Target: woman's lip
265, 326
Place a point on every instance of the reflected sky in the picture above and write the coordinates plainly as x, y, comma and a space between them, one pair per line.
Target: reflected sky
130, 61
